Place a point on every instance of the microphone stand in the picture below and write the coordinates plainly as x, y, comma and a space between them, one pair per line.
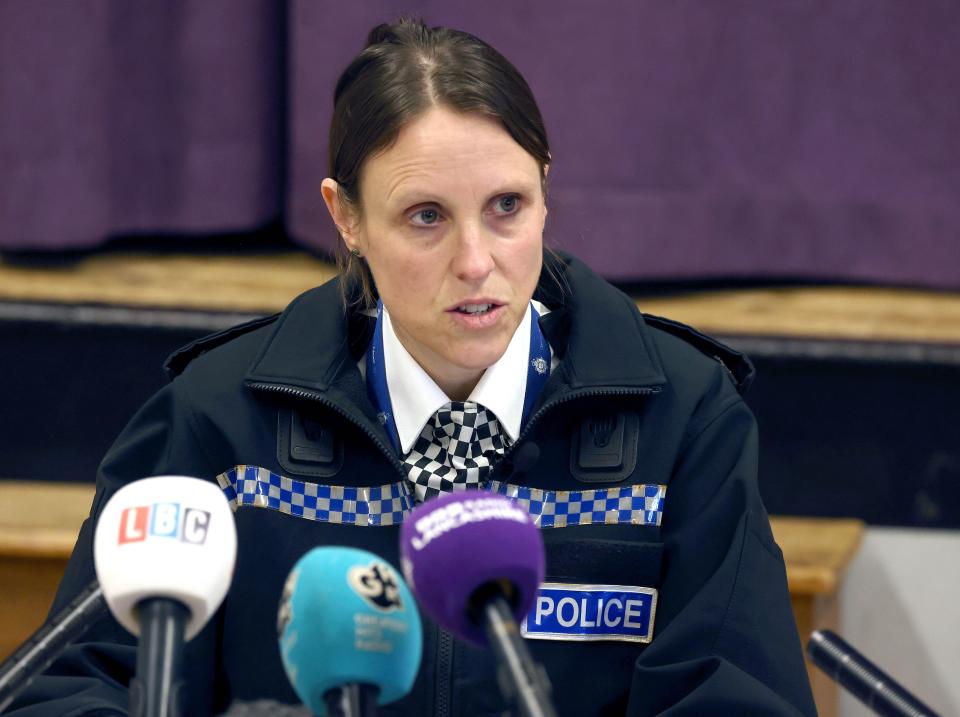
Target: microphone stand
867, 682
354, 700
47, 643
523, 677
157, 689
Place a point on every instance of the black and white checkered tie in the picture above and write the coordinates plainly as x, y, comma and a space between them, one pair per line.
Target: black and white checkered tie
455, 450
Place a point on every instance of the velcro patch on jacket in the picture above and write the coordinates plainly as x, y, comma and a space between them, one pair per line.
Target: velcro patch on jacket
622, 613
604, 447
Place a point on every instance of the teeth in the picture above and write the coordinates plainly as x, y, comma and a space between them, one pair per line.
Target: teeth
474, 308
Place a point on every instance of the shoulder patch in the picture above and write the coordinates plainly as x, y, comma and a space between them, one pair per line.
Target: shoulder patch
738, 365
181, 358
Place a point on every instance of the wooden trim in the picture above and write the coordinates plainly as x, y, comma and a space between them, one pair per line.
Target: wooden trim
265, 283
816, 551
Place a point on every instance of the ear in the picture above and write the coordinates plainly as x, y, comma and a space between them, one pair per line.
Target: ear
342, 216
546, 171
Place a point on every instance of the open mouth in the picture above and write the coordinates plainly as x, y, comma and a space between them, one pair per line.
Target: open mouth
475, 309
480, 314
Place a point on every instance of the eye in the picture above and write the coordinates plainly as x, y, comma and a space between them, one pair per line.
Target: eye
425, 217
507, 204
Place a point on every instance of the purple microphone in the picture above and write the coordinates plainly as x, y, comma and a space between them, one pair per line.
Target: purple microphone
474, 560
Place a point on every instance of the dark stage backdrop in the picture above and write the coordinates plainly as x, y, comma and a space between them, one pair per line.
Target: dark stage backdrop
692, 139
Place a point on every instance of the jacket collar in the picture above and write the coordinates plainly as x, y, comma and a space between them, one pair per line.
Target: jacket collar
597, 331
315, 344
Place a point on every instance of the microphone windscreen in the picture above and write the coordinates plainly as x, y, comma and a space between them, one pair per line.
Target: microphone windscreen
166, 537
347, 617
459, 544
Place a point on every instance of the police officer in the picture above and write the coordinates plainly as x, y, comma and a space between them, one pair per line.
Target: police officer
454, 353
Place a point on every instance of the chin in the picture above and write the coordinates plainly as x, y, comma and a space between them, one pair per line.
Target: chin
480, 358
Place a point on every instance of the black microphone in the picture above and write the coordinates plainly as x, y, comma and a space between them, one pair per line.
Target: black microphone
864, 680
39, 651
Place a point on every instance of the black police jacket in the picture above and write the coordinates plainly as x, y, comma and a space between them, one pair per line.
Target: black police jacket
724, 640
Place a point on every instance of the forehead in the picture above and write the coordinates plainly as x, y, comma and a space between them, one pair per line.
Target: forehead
446, 152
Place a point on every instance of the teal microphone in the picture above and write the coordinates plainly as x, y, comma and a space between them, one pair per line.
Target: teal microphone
350, 635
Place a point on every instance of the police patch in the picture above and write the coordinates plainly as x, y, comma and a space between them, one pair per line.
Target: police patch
591, 612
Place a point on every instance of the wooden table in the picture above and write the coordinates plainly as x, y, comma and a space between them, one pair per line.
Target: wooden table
817, 552
39, 523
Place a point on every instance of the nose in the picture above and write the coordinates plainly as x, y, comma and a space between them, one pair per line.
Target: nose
473, 260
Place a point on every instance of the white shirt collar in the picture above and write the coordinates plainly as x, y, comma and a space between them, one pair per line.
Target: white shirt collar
415, 396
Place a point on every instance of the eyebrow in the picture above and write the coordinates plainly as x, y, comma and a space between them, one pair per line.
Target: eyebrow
413, 197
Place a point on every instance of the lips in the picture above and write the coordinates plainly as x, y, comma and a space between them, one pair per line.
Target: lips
476, 314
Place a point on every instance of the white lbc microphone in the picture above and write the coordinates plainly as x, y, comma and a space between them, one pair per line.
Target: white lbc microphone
164, 552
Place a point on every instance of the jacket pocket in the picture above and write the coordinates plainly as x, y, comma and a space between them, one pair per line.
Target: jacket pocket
593, 676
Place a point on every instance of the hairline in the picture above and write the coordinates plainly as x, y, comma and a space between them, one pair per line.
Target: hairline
389, 140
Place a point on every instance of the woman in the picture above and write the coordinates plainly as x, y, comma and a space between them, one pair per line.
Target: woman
450, 355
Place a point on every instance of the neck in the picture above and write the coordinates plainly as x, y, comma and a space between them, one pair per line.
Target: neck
457, 391
456, 384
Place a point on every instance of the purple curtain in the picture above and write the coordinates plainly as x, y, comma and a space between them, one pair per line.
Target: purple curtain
692, 139
120, 116
696, 139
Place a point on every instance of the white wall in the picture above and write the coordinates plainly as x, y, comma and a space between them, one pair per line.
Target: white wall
901, 608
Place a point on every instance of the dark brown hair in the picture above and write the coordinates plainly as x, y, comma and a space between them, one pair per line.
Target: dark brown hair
405, 69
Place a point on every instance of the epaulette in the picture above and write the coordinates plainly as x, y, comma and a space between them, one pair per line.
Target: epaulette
738, 365
181, 358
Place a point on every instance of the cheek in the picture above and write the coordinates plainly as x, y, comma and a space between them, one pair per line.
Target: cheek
407, 285
525, 260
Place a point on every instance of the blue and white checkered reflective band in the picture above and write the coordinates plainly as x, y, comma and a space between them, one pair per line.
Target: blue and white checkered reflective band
376, 505
630, 504
388, 504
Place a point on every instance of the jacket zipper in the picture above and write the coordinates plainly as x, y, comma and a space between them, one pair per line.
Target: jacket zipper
444, 674
444, 671
313, 396
444, 654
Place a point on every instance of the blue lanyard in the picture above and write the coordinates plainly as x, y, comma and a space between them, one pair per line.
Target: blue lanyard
538, 371
538, 365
